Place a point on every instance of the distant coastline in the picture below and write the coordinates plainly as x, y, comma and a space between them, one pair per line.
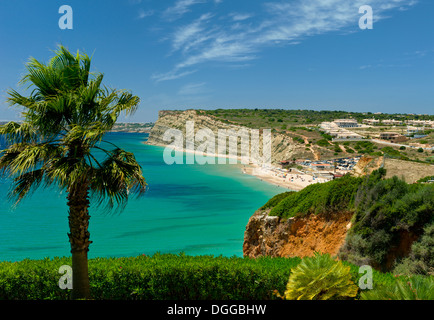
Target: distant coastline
133, 127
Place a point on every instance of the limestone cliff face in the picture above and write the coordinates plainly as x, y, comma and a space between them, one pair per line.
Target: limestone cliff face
282, 146
300, 236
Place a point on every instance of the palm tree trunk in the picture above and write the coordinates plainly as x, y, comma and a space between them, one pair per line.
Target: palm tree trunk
78, 202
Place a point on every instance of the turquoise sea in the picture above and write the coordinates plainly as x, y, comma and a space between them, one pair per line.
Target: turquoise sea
196, 209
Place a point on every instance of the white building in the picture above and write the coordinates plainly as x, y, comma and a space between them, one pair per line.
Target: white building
371, 121
415, 130
391, 122
346, 123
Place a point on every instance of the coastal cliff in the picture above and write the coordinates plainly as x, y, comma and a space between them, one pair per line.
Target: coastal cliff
283, 147
296, 236
353, 218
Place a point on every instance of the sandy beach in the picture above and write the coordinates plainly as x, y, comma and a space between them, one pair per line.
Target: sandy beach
294, 181
290, 180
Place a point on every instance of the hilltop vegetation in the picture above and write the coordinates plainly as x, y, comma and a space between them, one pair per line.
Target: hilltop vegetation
336, 195
276, 118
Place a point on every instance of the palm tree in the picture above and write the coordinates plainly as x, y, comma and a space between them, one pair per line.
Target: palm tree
60, 142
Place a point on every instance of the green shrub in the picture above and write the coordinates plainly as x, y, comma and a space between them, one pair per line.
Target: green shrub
421, 258
392, 153
327, 136
323, 143
274, 201
349, 150
385, 209
320, 278
159, 277
414, 288
319, 198
426, 179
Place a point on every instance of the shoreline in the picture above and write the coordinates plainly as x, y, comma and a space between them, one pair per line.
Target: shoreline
288, 180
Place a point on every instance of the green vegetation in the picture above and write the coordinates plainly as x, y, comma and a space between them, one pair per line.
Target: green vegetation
387, 211
414, 288
426, 179
266, 118
364, 147
393, 153
276, 199
161, 277
319, 198
59, 140
297, 139
323, 143
320, 278
421, 258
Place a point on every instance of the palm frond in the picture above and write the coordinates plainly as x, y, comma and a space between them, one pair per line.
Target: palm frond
24, 157
26, 183
119, 176
19, 132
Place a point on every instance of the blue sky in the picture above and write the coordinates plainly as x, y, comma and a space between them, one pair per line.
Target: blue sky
289, 54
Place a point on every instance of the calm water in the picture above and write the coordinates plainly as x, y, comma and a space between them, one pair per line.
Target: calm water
189, 208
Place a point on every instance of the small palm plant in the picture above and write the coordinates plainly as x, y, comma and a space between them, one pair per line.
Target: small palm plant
320, 278
64, 121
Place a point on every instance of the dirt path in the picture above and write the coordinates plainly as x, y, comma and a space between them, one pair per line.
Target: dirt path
316, 155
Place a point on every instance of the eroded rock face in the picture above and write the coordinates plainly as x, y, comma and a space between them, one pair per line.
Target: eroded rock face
283, 146
300, 236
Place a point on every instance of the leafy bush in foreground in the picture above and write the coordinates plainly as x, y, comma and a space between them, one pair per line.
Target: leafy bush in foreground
320, 278
160, 277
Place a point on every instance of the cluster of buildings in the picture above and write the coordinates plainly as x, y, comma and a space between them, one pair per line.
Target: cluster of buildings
393, 122
311, 171
337, 129
424, 123
343, 164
